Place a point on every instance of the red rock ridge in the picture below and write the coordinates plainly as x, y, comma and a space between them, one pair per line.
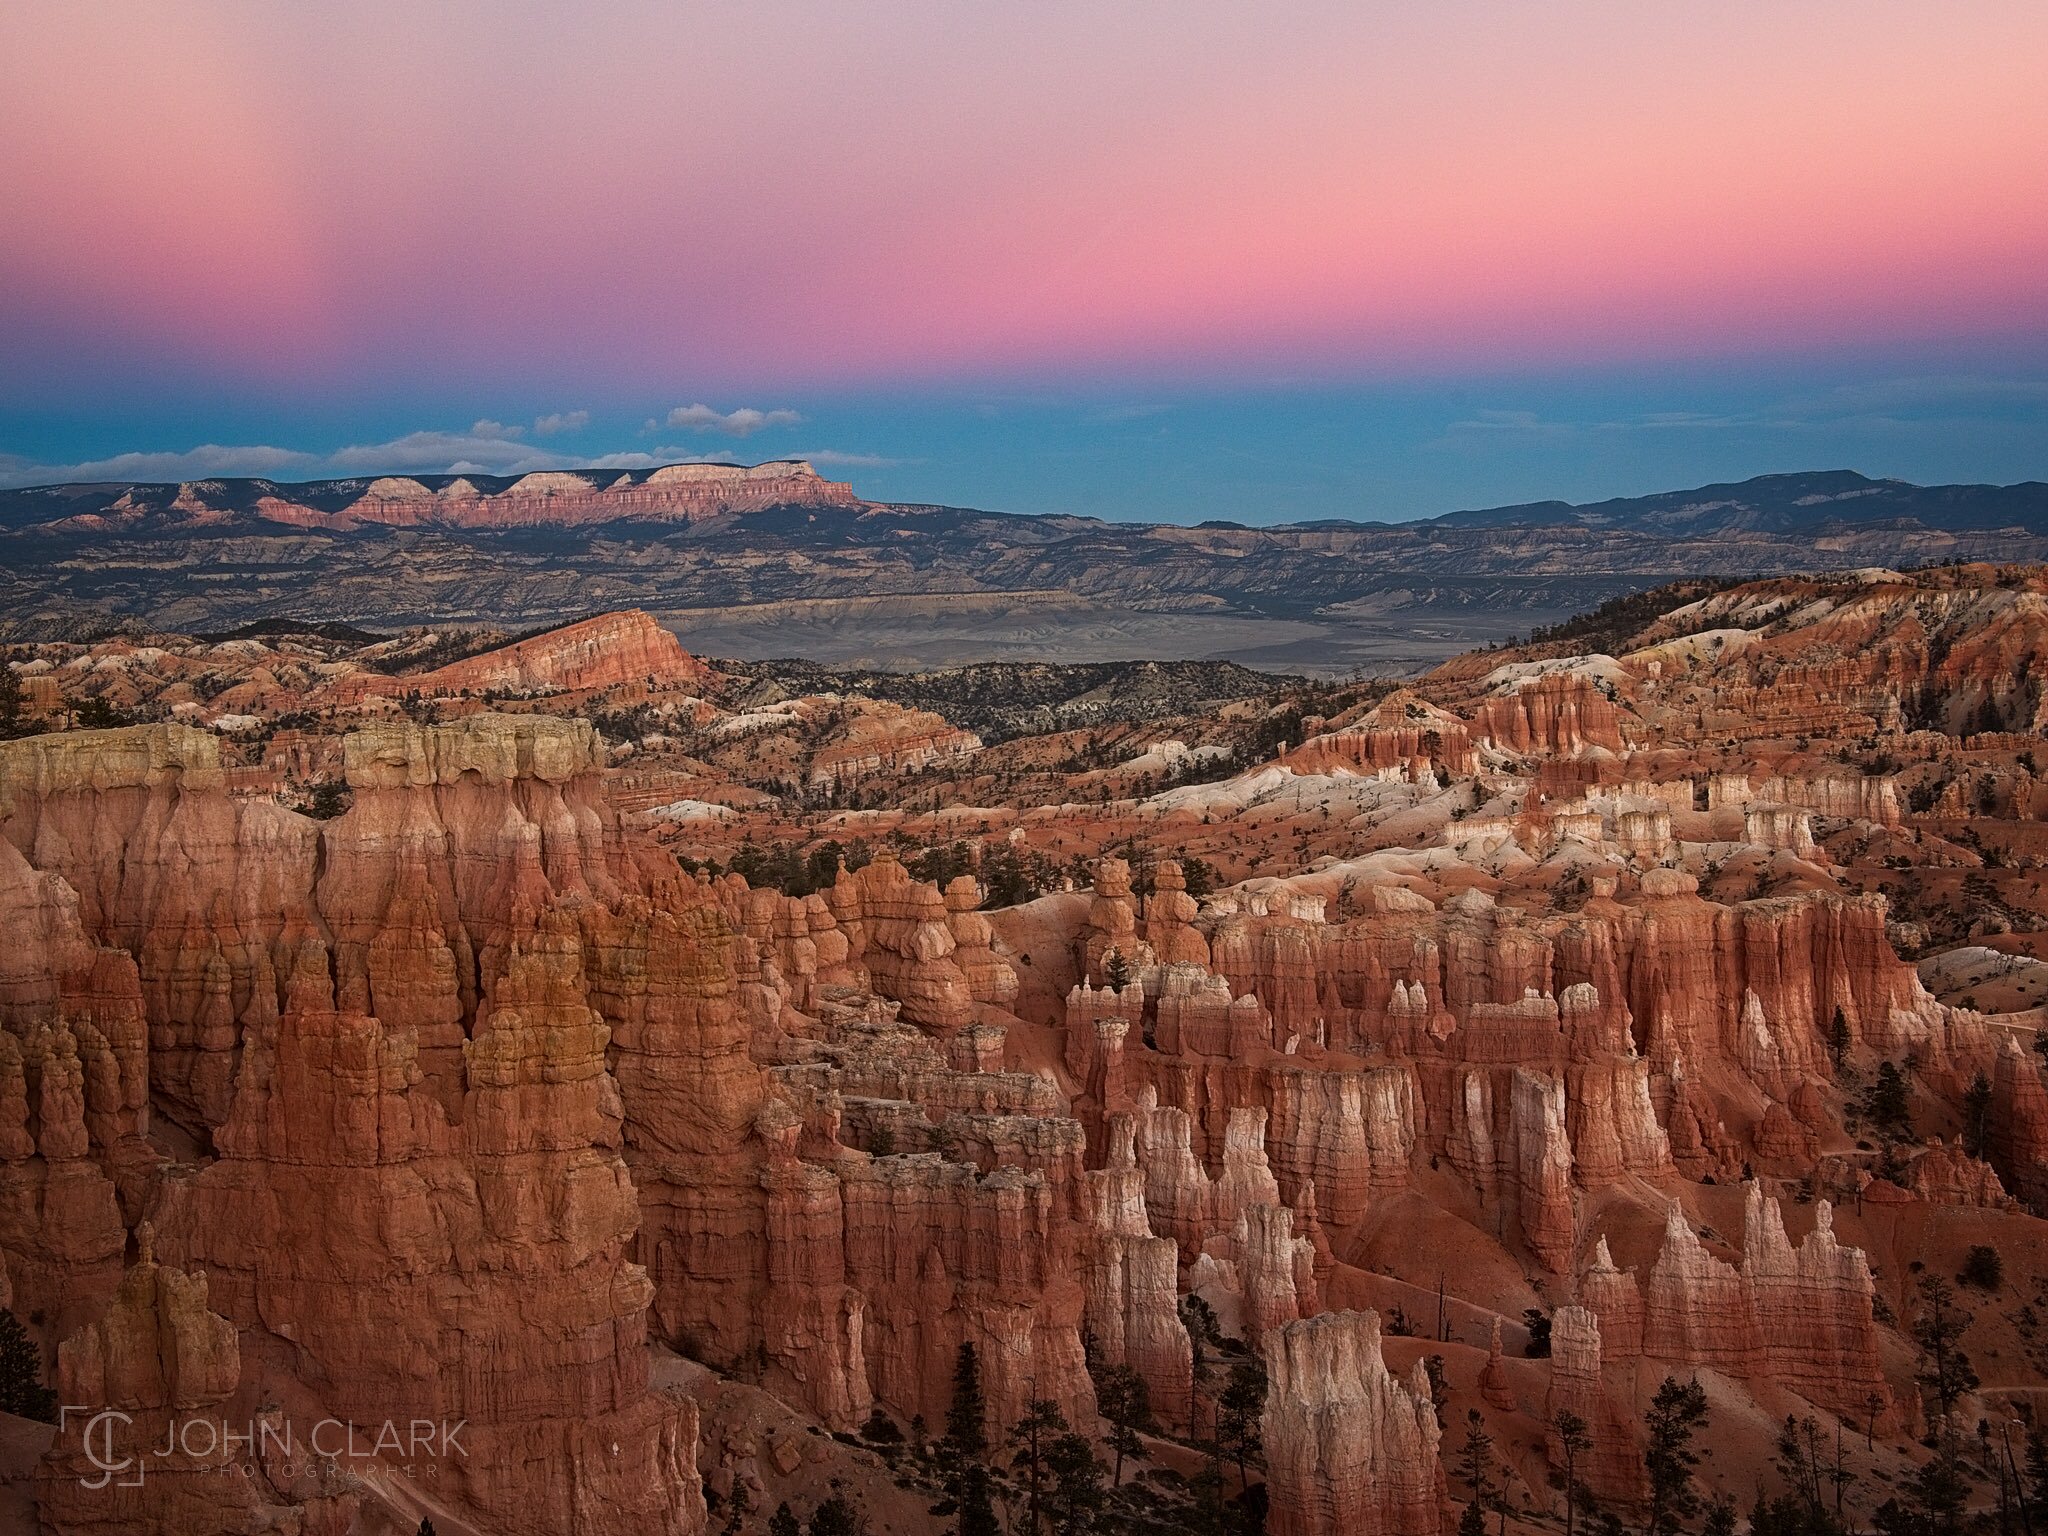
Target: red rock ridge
566, 498
628, 648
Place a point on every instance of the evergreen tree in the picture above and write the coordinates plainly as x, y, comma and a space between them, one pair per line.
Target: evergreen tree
740, 1505
834, 1517
21, 1373
1945, 1371
1887, 1105
1574, 1441
976, 1503
1475, 1466
1439, 1386
967, 1417
11, 722
96, 714
783, 1522
426, 1527
1116, 970
1804, 1467
963, 1450
1983, 1267
1929, 1503
1123, 1399
1720, 1519
1537, 1321
1041, 1425
1074, 1496
1199, 1318
1677, 1413
1838, 1038
1977, 1116
1208, 1517
1240, 1415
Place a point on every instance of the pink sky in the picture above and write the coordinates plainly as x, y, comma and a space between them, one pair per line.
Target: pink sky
806, 194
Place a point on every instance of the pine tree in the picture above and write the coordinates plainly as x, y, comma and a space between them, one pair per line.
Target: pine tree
1123, 1399
967, 1417
1199, 1318
1075, 1494
1475, 1465
740, 1504
21, 1373
1677, 1413
1887, 1104
1240, 1415
426, 1528
1574, 1441
976, 1503
1116, 970
1977, 1116
783, 1522
1041, 1425
11, 722
1439, 1386
1838, 1038
1804, 1468
1983, 1267
1208, 1517
834, 1517
1945, 1370
964, 1448
1929, 1503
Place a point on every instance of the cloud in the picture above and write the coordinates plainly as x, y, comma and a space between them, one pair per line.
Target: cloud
848, 460
1530, 426
561, 421
471, 452
1934, 394
1659, 421
204, 462
658, 457
486, 448
744, 422
1509, 423
1114, 415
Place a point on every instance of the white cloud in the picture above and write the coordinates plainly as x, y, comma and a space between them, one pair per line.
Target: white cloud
744, 422
657, 458
486, 448
561, 421
847, 460
206, 461
469, 452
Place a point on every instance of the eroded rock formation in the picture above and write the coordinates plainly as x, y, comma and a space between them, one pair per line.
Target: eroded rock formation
1349, 1447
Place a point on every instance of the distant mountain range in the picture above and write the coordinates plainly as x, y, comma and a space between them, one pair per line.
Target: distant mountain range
773, 560
1789, 504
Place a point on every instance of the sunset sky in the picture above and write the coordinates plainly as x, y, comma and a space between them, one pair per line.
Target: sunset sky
1185, 260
